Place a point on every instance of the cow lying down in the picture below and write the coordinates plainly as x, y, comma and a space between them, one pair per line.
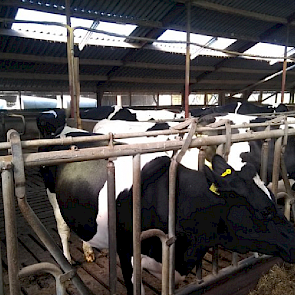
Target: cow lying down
240, 215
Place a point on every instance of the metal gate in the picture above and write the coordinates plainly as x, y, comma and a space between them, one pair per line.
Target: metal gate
13, 184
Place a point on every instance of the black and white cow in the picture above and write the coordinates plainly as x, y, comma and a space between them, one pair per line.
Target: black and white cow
108, 112
204, 218
241, 216
52, 124
128, 114
245, 108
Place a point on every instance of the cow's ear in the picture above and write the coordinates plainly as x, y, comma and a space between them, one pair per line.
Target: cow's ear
220, 166
248, 171
215, 181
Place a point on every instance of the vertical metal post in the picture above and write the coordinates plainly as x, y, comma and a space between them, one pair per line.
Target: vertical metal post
264, 160
112, 227
276, 165
235, 259
285, 66
201, 158
215, 260
171, 221
31, 217
10, 228
77, 92
1, 274
187, 58
70, 55
136, 225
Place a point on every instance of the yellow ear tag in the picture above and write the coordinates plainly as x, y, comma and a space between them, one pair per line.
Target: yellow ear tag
214, 189
226, 172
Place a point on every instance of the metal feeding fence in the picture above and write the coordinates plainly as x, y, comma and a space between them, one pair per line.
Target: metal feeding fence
13, 184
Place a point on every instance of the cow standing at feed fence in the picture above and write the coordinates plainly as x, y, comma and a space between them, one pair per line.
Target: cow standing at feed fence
73, 188
241, 216
52, 124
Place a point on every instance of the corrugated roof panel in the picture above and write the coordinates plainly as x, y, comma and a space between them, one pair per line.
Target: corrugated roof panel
150, 73
280, 8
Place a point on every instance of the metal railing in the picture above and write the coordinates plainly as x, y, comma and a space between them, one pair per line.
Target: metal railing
13, 180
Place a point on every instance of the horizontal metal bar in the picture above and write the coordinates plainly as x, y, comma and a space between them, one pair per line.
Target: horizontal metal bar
52, 158
223, 273
72, 140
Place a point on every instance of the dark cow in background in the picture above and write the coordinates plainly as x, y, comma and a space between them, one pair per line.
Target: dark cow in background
245, 108
241, 216
254, 154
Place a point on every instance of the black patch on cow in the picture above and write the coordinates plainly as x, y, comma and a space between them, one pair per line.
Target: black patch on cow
159, 126
98, 113
125, 115
47, 123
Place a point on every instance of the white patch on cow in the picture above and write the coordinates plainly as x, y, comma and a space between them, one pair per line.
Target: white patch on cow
281, 185
51, 112
238, 119
234, 158
159, 115
155, 268
123, 180
68, 129
116, 109
261, 185
62, 227
238, 106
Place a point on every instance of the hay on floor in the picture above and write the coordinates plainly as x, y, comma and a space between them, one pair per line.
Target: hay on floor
280, 280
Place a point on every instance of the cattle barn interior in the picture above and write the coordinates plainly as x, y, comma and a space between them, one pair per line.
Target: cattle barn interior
176, 55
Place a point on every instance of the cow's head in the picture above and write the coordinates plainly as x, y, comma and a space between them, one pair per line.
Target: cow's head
48, 122
251, 220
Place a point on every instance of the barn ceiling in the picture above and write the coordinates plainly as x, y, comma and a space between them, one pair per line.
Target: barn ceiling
41, 65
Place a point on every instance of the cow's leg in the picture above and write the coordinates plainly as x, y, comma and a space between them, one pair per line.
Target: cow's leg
62, 227
88, 252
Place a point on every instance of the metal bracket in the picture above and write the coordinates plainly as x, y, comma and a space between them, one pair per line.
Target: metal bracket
67, 276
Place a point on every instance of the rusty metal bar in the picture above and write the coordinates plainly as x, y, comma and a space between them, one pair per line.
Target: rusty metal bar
57, 157
10, 228
285, 65
165, 255
32, 219
112, 227
136, 225
72, 140
187, 58
171, 221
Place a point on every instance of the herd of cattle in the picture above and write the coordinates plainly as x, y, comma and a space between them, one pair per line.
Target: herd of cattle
239, 214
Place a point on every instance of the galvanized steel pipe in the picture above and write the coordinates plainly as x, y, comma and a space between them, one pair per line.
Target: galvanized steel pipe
112, 227
10, 228
136, 225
